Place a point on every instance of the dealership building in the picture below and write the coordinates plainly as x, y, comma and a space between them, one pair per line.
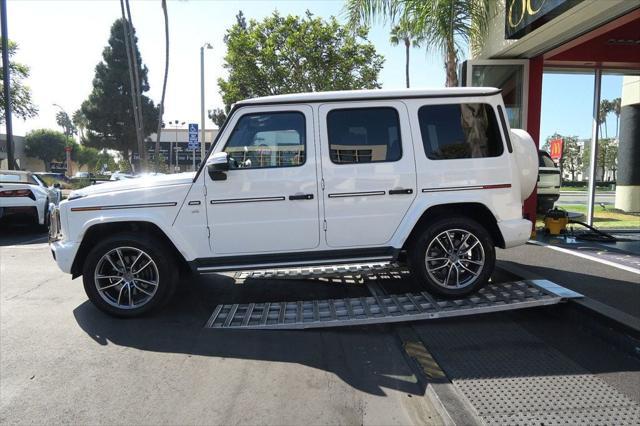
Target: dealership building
527, 38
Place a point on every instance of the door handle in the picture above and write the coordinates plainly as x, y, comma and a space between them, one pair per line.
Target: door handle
400, 191
301, 197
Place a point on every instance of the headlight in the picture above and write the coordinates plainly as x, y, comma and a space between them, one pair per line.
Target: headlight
74, 195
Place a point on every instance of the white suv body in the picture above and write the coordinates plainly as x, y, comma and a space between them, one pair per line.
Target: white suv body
434, 177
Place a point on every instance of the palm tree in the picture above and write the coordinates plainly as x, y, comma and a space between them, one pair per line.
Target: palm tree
402, 33
448, 26
605, 109
80, 121
615, 108
156, 153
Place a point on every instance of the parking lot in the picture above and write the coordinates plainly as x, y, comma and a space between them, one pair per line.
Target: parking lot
66, 362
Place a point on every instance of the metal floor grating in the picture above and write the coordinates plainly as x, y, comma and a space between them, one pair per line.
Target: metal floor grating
510, 376
390, 308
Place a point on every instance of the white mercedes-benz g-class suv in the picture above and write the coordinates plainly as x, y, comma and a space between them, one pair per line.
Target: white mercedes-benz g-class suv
434, 178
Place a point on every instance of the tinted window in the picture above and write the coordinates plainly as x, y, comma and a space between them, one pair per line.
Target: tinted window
275, 139
364, 135
459, 131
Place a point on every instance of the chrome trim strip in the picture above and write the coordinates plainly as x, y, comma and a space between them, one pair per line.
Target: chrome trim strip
301, 263
356, 194
246, 200
123, 206
467, 188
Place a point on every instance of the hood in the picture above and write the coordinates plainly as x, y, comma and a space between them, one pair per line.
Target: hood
134, 183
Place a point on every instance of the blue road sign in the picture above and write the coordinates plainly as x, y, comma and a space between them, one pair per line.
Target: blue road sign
193, 136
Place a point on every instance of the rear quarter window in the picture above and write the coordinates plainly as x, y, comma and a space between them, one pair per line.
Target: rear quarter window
456, 131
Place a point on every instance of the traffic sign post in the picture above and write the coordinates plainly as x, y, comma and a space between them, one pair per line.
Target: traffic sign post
193, 141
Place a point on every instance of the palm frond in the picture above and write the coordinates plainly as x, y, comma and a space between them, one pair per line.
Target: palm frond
364, 12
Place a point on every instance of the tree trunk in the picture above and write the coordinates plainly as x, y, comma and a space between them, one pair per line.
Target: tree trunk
451, 65
407, 46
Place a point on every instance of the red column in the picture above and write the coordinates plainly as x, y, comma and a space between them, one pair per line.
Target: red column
534, 105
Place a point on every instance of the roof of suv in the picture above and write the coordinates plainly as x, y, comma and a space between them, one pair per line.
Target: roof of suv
347, 95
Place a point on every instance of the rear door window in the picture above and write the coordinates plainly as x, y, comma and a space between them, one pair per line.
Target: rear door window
364, 135
456, 131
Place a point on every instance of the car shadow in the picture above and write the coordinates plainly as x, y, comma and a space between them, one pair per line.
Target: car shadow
368, 358
20, 230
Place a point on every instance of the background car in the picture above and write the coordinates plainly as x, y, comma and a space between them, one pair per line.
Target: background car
24, 193
548, 182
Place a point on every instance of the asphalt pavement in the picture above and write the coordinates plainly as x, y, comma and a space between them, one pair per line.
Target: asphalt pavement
581, 197
63, 361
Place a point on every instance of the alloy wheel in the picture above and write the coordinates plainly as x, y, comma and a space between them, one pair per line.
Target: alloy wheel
126, 277
454, 259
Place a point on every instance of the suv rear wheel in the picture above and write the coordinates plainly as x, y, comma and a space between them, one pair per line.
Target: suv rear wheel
127, 275
453, 256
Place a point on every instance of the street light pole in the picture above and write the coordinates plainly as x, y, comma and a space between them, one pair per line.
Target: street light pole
202, 123
7, 83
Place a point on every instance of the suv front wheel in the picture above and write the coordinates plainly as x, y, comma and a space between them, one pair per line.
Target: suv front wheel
127, 275
453, 256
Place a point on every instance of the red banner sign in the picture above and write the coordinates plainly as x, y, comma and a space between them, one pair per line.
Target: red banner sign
555, 148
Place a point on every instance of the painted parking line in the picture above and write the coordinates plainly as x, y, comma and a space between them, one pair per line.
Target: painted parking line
587, 256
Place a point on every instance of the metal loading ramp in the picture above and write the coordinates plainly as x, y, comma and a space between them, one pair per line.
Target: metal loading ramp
376, 309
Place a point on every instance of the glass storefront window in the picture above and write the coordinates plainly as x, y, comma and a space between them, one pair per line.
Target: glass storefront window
508, 77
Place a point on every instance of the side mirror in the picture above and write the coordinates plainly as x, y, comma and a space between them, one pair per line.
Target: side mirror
56, 185
218, 165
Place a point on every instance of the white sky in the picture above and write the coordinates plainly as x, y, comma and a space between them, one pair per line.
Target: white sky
62, 41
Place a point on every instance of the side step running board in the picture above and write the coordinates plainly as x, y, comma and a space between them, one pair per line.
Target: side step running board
387, 309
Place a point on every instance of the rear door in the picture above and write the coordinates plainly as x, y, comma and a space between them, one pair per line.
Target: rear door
368, 171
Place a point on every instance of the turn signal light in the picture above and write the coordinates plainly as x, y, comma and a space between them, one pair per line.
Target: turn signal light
18, 193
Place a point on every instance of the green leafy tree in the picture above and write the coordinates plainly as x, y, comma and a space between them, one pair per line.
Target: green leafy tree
87, 156
448, 26
104, 158
63, 120
571, 160
108, 110
403, 33
21, 103
218, 116
611, 158
606, 157
47, 145
289, 54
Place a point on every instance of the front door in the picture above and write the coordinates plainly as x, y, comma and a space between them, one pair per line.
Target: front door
368, 171
269, 200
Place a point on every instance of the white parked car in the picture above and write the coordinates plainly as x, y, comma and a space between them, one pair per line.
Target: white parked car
26, 194
548, 182
434, 178
121, 176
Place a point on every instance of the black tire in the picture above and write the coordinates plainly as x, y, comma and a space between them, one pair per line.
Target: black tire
474, 276
163, 264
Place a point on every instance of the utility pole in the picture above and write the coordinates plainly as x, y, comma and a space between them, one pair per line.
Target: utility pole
203, 152
7, 81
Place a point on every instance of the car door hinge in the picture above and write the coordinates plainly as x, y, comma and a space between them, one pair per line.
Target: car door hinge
324, 226
322, 184
204, 190
209, 232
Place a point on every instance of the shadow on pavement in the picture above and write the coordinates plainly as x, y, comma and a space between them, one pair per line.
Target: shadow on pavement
367, 358
618, 293
21, 231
